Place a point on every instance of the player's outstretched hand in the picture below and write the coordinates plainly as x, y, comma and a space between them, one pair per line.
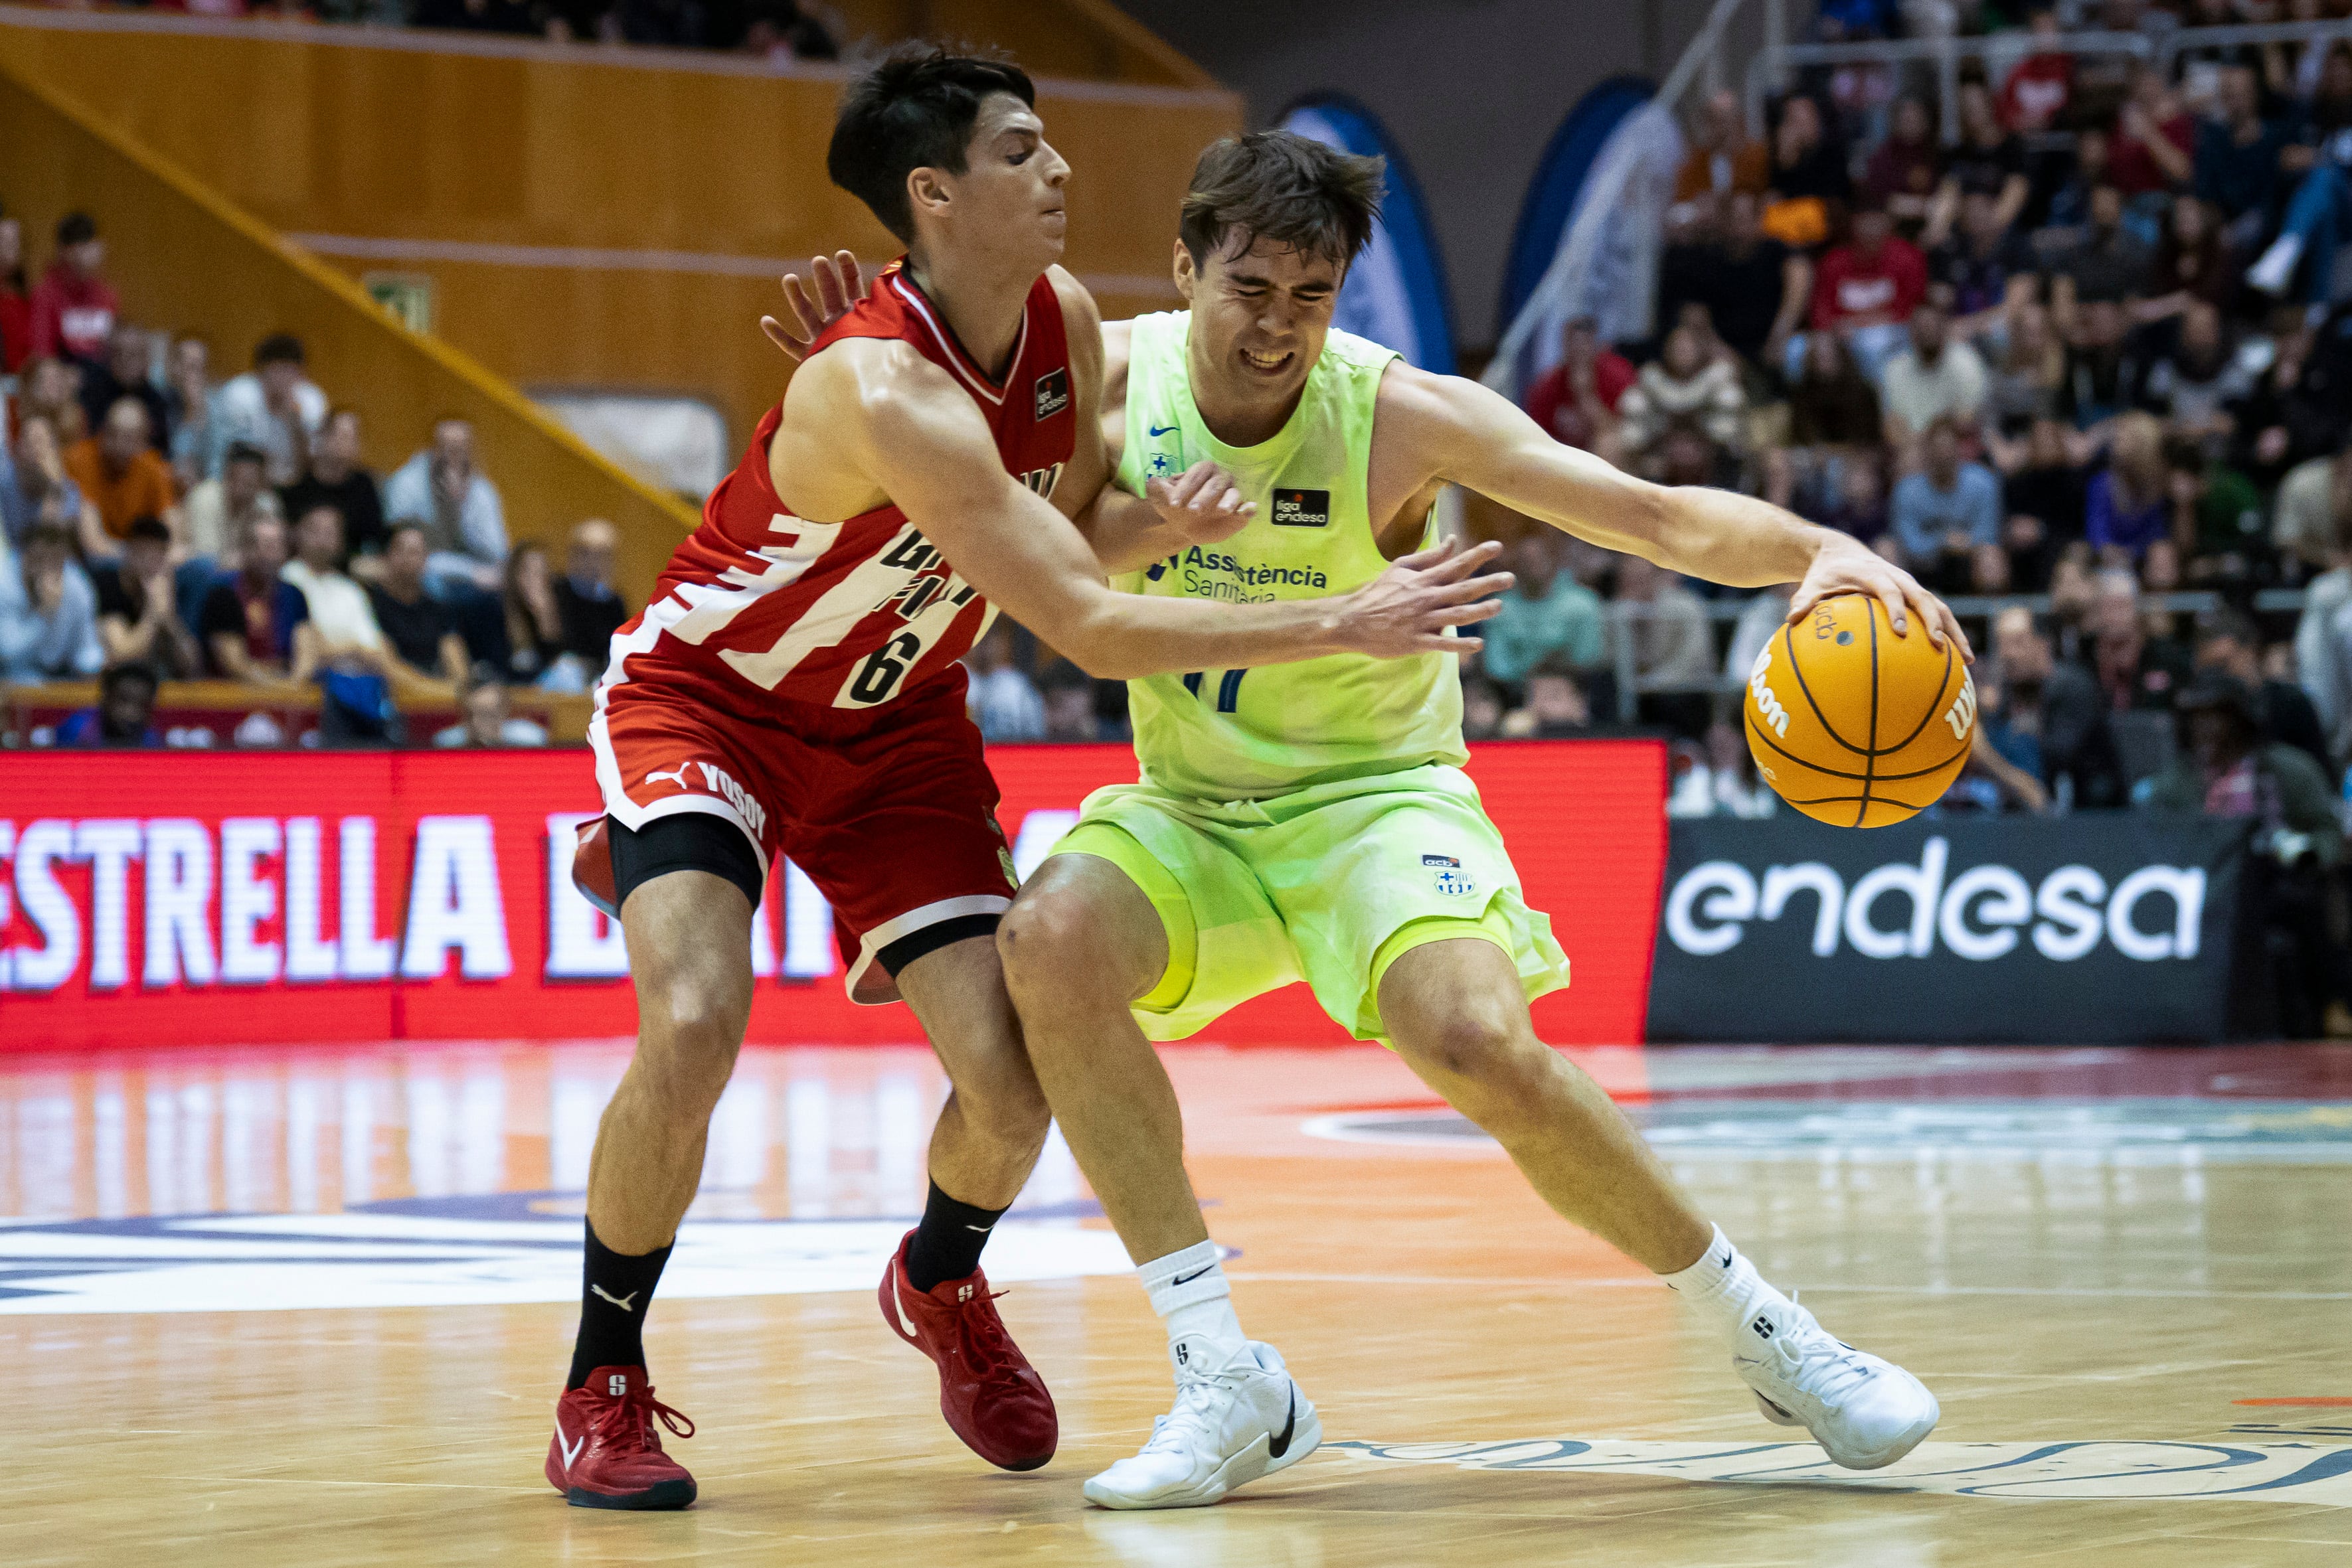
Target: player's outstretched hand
1407, 609
1844, 565
1202, 504
840, 284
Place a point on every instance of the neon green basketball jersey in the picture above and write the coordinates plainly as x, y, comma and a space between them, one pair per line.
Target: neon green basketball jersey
1234, 735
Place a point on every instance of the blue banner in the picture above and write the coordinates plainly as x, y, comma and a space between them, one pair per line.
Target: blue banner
1396, 293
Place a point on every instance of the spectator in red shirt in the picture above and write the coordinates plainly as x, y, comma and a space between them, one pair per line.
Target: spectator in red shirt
1865, 291
1575, 400
74, 307
16, 310
2154, 146
2040, 86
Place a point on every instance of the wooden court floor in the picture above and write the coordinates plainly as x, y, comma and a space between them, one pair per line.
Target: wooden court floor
313, 1308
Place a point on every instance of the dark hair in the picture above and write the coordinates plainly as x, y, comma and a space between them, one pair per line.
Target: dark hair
2183, 456
1281, 186
76, 228
1558, 665
148, 527
114, 675
913, 110
2235, 625
278, 349
243, 452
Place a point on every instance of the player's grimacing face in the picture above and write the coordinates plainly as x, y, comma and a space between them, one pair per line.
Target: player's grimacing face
1013, 186
1261, 313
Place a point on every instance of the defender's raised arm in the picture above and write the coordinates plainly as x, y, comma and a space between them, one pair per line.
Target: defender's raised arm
916, 436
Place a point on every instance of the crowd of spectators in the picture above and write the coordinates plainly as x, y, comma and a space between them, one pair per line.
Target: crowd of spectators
156, 527
778, 30
2093, 352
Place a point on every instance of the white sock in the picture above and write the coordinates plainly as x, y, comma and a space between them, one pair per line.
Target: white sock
1724, 1285
1189, 1292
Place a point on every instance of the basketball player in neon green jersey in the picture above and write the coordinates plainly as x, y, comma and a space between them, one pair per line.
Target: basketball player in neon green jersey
1312, 822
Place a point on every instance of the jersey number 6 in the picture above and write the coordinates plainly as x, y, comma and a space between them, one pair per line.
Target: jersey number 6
884, 667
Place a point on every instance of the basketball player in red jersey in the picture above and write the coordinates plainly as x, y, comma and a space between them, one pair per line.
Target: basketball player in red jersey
793, 688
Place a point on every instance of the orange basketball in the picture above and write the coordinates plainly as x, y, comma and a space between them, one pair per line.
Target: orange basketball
1853, 724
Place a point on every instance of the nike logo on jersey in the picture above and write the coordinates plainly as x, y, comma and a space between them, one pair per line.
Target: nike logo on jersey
1157, 431
571, 1450
620, 1302
1281, 1443
1188, 1279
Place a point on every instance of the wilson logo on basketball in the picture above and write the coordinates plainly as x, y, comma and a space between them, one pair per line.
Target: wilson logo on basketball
1962, 716
1768, 706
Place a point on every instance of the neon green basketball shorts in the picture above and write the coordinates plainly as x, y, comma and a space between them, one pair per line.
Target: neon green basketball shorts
1329, 884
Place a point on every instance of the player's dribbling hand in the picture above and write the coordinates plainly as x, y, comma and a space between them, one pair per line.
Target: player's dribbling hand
1202, 504
840, 284
1844, 565
1407, 609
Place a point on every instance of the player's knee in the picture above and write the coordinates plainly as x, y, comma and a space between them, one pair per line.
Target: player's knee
1483, 1045
1043, 939
691, 1032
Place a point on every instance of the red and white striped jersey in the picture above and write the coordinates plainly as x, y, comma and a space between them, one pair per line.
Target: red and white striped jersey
850, 614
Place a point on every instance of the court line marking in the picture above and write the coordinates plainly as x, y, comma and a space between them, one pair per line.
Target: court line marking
2116, 1470
1618, 1283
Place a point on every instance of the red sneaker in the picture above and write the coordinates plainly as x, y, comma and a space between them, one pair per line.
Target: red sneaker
605, 1452
992, 1398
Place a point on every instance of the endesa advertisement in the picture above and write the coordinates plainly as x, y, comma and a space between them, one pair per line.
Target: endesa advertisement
158, 898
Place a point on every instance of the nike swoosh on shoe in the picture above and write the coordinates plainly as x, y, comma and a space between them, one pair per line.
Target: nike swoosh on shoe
1280, 1444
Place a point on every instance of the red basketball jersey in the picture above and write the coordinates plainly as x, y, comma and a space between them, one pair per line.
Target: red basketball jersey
849, 614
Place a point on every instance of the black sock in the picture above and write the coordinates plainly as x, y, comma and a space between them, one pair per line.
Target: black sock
613, 1296
947, 1243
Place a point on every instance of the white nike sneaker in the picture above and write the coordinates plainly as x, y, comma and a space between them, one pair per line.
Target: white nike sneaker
1866, 1412
1231, 1423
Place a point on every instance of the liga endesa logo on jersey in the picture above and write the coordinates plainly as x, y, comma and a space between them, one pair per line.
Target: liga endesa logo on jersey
1302, 508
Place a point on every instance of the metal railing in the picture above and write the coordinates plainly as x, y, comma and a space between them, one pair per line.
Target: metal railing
1769, 68
1633, 685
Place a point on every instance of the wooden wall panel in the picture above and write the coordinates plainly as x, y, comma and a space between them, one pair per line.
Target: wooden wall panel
182, 257
331, 132
490, 169
695, 335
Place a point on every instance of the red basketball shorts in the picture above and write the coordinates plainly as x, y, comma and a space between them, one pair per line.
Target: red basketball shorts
890, 812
